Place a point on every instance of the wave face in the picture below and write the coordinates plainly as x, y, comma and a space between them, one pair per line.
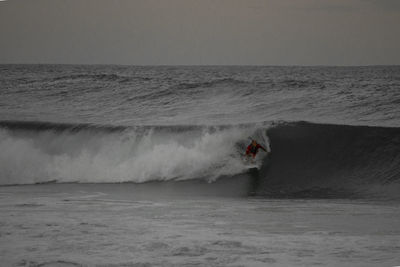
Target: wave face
35, 152
317, 160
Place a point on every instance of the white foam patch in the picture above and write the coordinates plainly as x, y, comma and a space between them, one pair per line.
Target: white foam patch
100, 157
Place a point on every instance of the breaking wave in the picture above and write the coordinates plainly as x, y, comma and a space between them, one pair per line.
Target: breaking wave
307, 159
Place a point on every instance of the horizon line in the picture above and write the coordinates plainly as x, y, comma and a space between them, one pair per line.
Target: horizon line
205, 65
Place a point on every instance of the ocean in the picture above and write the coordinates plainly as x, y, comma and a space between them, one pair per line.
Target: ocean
162, 148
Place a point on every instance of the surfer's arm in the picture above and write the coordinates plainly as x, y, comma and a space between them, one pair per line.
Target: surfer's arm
262, 148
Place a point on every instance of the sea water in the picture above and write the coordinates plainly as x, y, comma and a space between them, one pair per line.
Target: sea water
137, 166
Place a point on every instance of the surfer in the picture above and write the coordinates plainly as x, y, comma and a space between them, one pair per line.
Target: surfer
253, 148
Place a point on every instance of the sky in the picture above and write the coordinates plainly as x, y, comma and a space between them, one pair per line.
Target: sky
201, 32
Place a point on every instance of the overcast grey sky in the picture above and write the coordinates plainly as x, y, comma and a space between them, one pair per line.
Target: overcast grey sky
201, 32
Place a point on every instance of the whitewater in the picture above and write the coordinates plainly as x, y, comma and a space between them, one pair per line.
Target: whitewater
89, 154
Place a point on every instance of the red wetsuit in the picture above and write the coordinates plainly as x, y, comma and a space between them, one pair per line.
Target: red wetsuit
253, 149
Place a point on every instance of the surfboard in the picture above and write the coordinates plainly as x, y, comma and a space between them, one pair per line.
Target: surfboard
252, 166
249, 163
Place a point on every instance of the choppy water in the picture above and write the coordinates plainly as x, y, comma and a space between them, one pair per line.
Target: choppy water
135, 124
121, 95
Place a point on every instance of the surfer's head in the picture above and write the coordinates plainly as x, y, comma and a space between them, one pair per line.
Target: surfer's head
254, 142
